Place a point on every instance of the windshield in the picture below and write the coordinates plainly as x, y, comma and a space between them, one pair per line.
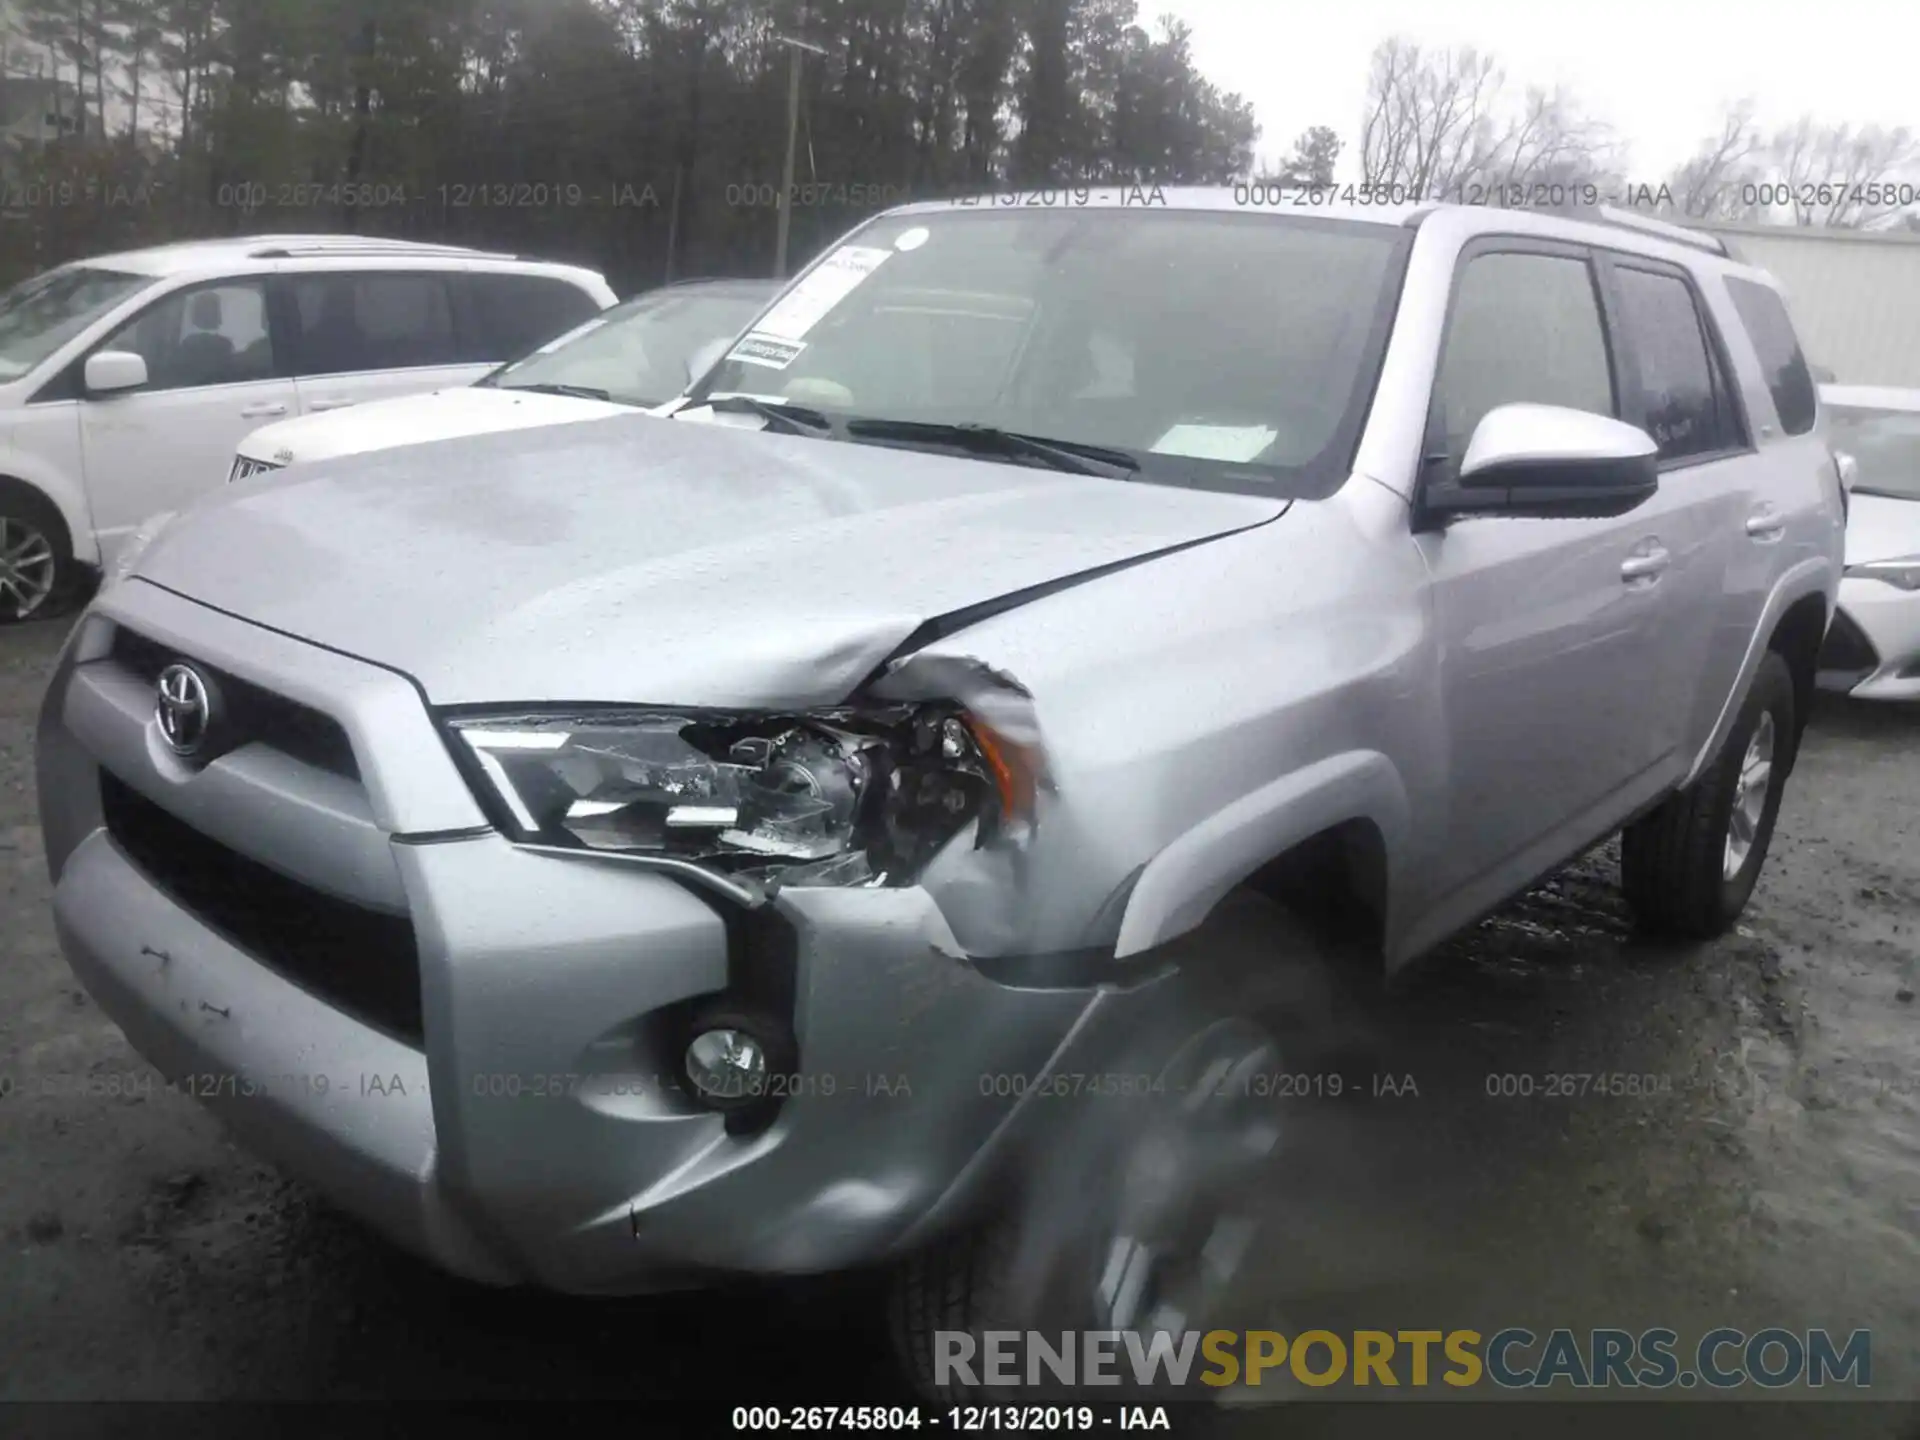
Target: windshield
1886, 446
1222, 350
640, 352
40, 315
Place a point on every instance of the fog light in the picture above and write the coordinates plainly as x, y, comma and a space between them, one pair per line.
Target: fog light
727, 1067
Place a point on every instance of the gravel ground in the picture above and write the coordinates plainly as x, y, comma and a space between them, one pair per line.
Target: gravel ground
1771, 1178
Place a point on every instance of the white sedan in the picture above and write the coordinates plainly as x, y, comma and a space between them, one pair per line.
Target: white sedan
1873, 646
640, 354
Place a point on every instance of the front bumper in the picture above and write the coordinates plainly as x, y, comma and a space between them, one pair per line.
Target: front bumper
530, 1128
1873, 646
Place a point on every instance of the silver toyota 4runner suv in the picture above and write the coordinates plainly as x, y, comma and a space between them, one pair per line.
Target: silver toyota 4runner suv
747, 841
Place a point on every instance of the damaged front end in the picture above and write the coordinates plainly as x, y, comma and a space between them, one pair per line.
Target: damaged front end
864, 794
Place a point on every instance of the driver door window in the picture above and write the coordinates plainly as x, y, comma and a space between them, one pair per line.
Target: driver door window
1525, 328
210, 335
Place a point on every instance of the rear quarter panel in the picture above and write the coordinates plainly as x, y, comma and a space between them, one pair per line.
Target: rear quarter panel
1794, 475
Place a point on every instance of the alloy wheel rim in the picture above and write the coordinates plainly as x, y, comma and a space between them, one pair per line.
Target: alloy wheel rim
1750, 792
27, 568
1182, 1230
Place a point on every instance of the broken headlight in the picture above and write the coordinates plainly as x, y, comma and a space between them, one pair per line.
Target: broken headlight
839, 797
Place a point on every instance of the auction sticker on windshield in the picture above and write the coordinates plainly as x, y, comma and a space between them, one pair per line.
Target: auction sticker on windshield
767, 350
819, 290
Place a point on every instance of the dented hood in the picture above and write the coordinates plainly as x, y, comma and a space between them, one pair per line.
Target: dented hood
656, 561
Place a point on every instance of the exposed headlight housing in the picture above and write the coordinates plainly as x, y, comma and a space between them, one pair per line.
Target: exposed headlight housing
1903, 572
835, 797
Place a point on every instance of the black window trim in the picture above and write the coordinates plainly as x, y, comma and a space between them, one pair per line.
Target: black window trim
1434, 469
70, 383
449, 281
1728, 401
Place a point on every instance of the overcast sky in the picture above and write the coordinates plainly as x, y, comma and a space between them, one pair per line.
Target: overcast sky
1659, 73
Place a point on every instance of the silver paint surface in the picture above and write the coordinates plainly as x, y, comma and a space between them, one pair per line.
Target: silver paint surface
1484, 701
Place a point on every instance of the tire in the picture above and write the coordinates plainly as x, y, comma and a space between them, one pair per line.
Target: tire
1677, 866
1252, 984
38, 577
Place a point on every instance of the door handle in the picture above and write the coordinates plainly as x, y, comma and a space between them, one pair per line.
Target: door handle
261, 412
1650, 565
1766, 524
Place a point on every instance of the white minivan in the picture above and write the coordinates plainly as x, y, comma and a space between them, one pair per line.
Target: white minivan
126, 381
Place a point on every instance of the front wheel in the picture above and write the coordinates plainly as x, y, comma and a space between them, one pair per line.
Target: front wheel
1689, 867
38, 578
1139, 1212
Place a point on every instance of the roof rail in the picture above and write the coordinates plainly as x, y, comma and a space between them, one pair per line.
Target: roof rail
287, 247
1647, 225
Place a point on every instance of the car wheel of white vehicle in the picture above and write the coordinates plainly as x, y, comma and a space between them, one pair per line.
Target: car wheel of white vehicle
1689, 867
1136, 1213
36, 560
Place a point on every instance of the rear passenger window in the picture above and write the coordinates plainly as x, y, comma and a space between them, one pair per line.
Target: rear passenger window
1525, 328
515, 314
1765, 316
1685, 409
372, 321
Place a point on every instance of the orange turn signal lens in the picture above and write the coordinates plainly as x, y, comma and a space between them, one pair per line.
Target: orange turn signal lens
1014, 773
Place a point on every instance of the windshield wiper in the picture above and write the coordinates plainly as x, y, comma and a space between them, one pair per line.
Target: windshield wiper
578, 392
1070, 456
783, 418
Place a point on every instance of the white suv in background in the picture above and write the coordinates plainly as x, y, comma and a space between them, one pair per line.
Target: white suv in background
126, 381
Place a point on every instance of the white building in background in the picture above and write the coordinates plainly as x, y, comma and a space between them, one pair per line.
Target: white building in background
38, 98
1854, 295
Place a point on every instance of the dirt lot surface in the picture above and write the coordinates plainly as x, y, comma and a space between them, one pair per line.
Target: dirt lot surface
1770, 1177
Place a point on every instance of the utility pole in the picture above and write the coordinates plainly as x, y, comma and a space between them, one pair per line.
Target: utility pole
362, 47
793, 133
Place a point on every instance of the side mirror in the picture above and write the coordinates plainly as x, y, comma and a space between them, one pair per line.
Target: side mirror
706, 357
111, 371
1548, 462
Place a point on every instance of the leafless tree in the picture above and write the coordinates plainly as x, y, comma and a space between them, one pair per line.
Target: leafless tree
1713, 184
1429, 117
1837, 175
1549, 141
1439, 121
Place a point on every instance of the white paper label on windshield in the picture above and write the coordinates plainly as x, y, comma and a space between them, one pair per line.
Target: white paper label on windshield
768, 350
1215, 442
822, 288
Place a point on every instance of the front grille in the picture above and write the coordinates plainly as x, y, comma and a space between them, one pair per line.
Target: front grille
253, 714
244, 469
355, 959
1847, 647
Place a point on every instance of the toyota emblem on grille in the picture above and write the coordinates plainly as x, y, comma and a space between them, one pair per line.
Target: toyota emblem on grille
184, 709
